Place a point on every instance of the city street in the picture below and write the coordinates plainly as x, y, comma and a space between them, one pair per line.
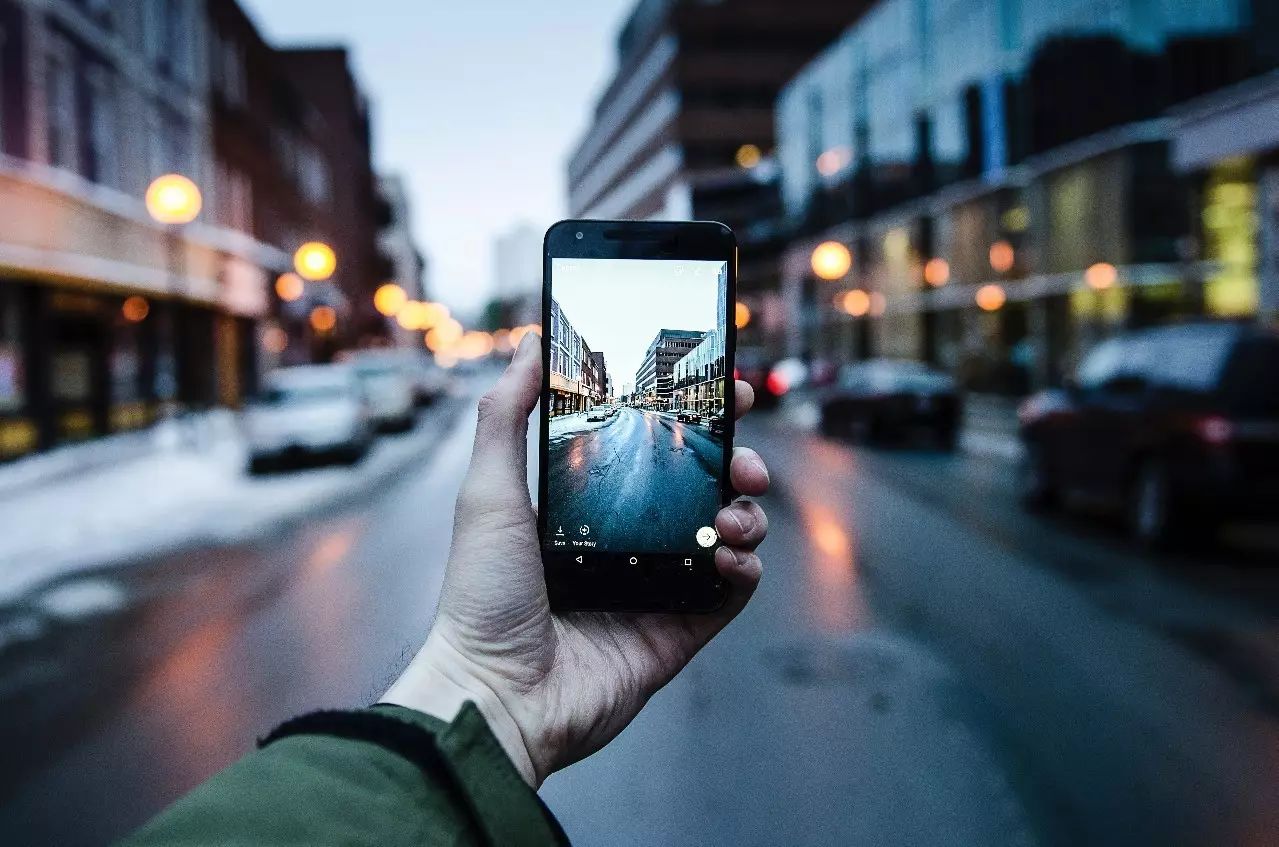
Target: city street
923, 664
638, 481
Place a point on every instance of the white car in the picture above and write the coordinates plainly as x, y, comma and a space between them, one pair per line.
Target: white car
388, 390
309, 411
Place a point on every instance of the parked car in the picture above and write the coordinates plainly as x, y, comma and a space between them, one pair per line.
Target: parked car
1177, 426
886, 399
597, 414
309, 411
716, 423
688, 416
388, 389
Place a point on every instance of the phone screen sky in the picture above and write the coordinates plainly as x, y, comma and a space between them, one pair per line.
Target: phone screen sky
636, 406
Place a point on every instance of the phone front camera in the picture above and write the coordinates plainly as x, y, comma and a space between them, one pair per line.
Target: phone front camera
580, 235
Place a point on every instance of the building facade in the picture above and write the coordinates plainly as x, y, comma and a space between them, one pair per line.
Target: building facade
567, 392
697, 381
107, 319
654, 381
324, 78
685, 128
1000, 172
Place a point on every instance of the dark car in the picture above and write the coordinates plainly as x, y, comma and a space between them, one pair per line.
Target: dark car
688, 416
716, 423
1178, 426
887, 399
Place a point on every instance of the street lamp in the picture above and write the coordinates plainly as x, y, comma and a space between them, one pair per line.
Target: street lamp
174, 200
831, 260
389, 299
315, 261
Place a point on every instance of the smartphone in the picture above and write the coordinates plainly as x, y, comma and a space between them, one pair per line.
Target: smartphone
637, 413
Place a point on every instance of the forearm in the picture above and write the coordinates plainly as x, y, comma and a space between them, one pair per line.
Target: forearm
433, 783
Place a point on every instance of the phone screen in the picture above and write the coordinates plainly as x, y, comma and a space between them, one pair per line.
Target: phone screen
635, 417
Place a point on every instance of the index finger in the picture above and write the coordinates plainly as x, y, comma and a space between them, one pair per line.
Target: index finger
743, 397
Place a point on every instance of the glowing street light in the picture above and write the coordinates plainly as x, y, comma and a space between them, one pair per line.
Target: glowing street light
1002, 257
1101, 276
743, 316
831, 260
173, 199
135, 309
315, 261
937, 272
412, 315
323, 319
991, 298
289, 287
389, 299
855, 302
748, 156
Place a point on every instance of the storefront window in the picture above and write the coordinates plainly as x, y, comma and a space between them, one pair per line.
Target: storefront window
1230, 226
12, 372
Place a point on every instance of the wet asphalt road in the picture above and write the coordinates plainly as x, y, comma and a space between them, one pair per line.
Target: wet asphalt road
640, 481
923, 664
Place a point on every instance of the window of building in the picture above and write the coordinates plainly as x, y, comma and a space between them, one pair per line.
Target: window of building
60, 97
101, 152
12, 373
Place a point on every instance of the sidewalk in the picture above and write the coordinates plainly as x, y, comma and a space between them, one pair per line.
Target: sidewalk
74, 510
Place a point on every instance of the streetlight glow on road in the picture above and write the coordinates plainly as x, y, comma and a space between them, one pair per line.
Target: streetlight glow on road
315, 261
173, 199
831, 260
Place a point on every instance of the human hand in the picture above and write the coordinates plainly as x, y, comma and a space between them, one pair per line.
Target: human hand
554, 688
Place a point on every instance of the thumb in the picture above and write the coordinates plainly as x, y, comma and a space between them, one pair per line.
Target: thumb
500, 458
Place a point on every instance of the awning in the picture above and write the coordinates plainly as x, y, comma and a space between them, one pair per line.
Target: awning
1239, 121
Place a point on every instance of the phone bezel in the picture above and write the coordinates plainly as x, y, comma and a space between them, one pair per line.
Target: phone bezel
609, 581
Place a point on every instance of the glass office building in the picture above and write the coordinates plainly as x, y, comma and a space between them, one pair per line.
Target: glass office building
956, 145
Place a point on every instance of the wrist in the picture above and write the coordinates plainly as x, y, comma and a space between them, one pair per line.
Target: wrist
438, 682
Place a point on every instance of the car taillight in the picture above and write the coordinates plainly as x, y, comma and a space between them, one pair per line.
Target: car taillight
777, 384
1214, 430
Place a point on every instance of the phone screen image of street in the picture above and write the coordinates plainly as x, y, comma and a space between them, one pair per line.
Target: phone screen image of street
636, 405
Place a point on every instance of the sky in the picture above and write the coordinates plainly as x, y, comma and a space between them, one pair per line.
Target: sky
618, 305
477, 104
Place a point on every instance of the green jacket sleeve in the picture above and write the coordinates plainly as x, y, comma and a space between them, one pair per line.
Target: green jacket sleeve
320, 788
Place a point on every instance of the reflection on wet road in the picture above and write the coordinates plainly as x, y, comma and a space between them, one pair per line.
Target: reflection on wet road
923, 664
641, 481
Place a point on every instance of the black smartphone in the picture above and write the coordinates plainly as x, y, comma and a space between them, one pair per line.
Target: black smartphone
637, 413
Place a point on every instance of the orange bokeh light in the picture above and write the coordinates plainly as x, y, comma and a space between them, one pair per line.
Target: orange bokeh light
855, 302
173, 199
323, 319
1101, 276
289, 287
315, 261
135, 309
1002, 257
275, 340
831, 260
742, 318
937, 272
389, 299
991, 298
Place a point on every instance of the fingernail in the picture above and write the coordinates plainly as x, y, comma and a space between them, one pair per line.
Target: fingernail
745, 520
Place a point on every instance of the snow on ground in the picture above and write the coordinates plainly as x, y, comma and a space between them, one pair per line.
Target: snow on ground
566, 426
177, 492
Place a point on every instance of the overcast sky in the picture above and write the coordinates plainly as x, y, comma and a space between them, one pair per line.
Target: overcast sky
618, 305
478, 104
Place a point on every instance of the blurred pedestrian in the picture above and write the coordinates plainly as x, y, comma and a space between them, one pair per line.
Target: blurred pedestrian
502, 694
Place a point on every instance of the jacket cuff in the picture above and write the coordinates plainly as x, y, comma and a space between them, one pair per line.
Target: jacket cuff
507, 808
